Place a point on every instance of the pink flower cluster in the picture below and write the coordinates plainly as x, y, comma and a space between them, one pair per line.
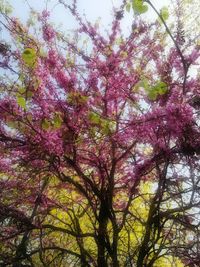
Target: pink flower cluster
48, 33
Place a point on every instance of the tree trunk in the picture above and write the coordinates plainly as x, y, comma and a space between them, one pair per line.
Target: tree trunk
103, 220
114, 249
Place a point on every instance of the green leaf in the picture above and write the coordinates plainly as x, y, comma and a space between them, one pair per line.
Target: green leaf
12, 124
94, 118
141, 84
144, 84
119, 41
57, 122
139, 7
29, 94
5, 7
21, 102
164, 13
77, 98
143, 9
105, 126
159, 89
22, 90
46, 124
162, 88
128, 7
29, 57
152, 95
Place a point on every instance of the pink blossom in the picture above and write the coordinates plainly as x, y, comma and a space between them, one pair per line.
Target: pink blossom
48, 33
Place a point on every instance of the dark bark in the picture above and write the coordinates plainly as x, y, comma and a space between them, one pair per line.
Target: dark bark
102, 231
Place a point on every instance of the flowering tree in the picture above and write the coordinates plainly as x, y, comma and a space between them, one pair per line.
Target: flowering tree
100, 145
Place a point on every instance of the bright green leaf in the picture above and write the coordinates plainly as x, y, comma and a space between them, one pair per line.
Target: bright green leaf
21, 102
139, 7
22, 90
94, 118
152, 95
162, 88
142, 9
164, 13
159, 89
105, 127
57, 122
29, 57
144, 84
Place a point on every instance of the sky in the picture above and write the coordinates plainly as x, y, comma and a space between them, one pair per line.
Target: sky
93, 10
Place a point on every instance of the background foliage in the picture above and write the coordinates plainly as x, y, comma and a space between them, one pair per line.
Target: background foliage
99, 137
